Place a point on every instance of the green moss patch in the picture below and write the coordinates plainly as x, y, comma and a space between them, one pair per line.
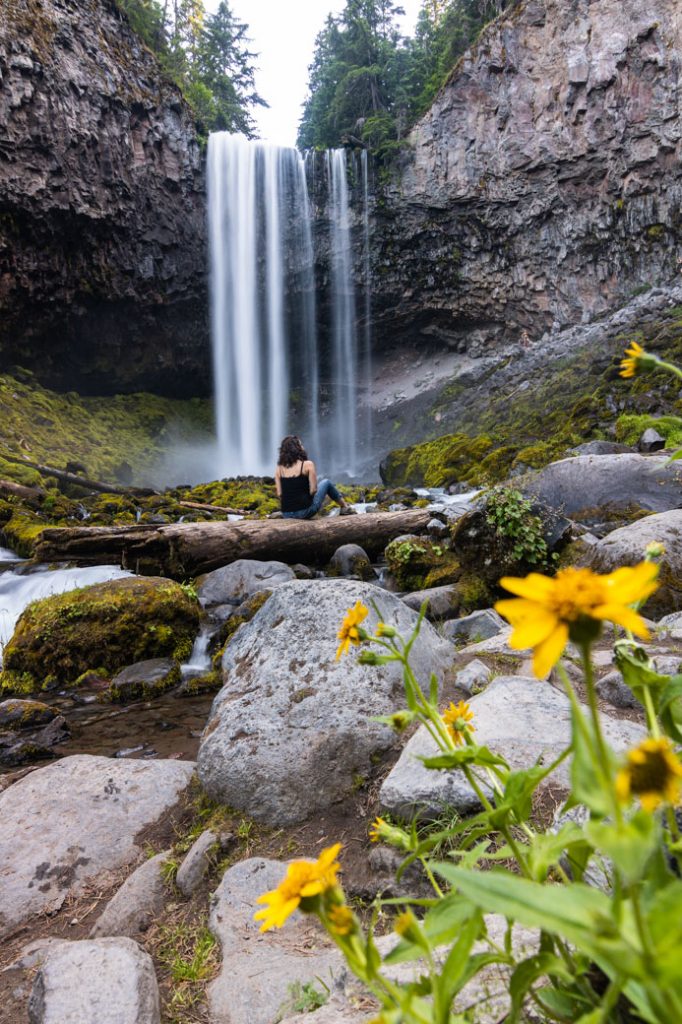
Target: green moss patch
418, 563
109, 625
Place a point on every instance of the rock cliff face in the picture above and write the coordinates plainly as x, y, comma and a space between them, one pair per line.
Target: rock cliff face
544, 185
102, 236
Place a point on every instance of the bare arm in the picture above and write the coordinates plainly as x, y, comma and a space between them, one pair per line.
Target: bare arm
312, 475
278, 485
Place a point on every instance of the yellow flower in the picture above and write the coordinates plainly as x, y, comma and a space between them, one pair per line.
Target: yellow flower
573, 604
381, 831
375, 830
383, 629
457, 718
304, 879
652, 772
349, 632
629, 366
341, 919
404, 923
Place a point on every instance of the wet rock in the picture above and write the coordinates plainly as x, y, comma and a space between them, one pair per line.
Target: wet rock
144, 679
17, 749
474, 677
241, 580
601, 448
480, 625
441, 602
258, 968
110, 981
24, 714
196, 863
76, 820
650, 441
627, 546
292, 727
137, 903
352, 560
436, 528
520, 718
303, 572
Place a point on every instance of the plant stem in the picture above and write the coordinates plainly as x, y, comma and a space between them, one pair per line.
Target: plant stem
602, 750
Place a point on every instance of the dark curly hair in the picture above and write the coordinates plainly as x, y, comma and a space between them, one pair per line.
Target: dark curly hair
291, 451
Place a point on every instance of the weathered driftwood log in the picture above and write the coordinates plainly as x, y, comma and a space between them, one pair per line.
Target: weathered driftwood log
10, 489
212, 508
182, 550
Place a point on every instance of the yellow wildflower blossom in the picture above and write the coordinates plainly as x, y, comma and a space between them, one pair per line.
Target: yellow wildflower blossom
630, 365
341, 920
652, 772
375, 829
349, 632
457, 719
573, 604
304, 879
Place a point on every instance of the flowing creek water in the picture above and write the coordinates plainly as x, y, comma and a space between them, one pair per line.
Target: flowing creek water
169, 726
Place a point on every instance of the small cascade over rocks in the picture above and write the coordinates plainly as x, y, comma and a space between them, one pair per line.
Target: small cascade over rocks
277, 368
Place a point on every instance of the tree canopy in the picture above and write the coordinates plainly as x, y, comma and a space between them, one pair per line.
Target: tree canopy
368, 83
207, 55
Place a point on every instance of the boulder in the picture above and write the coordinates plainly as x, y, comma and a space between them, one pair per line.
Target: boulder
617, 482
519, 718
239, 581
144, 679
441, 602
480, 625
614, 690
474, 677
137, 903
196, 863
351, 560
627, 546
292, 727
601, 448
105, 626
76, 820
650, 441
107, 981
258, 967
25, 714
17, 748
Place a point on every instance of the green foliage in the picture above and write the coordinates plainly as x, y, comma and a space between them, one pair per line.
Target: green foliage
303, 998
420, 563
511, 515
368, 84
206, 55
630, 427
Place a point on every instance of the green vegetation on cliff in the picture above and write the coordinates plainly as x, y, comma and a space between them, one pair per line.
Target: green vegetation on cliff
206, 55
368, 83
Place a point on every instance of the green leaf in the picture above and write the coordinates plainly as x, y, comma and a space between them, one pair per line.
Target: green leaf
441, 925
547, 848
464, 755
433, 689
635, 666
527, 972
586, 783
578, 913
452, 974
669, 708
629, 844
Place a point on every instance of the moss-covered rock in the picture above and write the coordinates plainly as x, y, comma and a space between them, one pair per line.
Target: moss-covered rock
24, 714
145, 679
630, 427
437, 463
109, 625
417, 563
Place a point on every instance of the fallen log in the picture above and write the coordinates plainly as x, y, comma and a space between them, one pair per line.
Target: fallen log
80, 481
10, 489
184, 550
212, 508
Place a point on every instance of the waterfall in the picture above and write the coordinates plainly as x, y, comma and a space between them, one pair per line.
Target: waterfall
276, 371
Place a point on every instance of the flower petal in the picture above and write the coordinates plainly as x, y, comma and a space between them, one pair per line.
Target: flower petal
518, 609
632, 583
622, 616
550, 650
534, 586
533, 631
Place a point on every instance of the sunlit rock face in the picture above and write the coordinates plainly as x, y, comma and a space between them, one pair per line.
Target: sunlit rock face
544, 184
102, 236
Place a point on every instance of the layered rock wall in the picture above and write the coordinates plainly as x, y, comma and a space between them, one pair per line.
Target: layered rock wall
544, 185
102, 235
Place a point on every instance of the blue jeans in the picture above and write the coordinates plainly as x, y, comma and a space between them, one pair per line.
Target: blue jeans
324, 488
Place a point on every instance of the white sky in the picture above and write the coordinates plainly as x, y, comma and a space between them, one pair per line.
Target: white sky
283, 34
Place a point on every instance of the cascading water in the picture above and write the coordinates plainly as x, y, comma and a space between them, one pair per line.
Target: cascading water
275, 372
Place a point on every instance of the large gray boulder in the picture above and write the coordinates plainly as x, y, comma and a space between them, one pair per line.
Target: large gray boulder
240, 580
589, 482
441, 602
259, 967
76, 820
520, 718
627, 546
103, 981
292, 727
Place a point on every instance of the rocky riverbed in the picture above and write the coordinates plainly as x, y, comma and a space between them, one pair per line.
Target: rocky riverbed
136, 855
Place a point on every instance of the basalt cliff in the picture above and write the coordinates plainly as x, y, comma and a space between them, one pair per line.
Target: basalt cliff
102, 234
543, 187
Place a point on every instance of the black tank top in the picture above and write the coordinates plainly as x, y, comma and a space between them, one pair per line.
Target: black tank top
295, 492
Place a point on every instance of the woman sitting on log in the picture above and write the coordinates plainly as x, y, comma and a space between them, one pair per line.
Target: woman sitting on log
299, 493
